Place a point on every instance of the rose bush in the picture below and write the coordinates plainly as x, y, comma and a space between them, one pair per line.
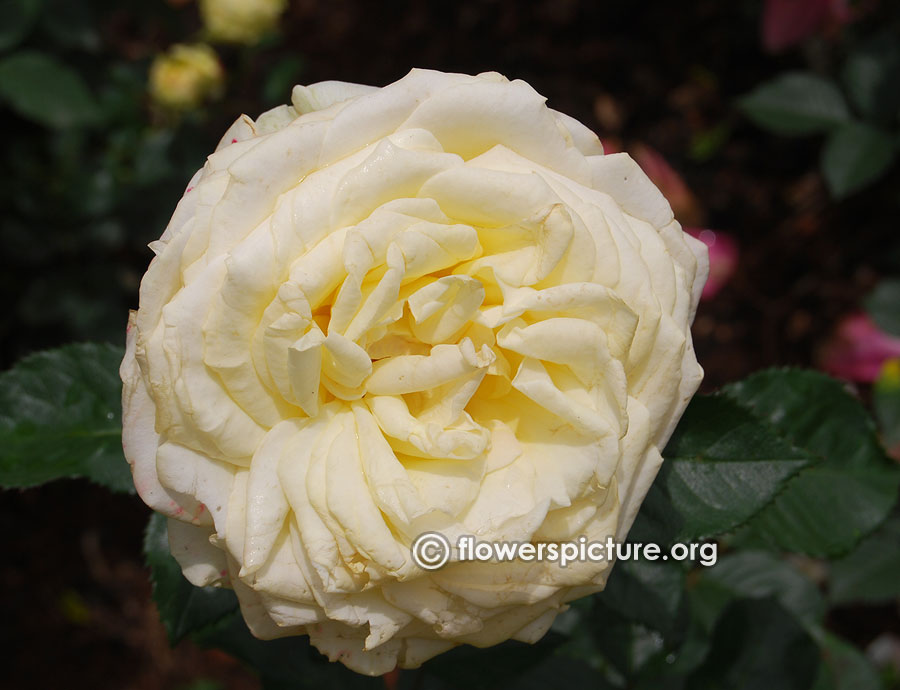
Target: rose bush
378, 312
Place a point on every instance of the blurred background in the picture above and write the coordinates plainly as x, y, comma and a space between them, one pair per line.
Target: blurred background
772, 127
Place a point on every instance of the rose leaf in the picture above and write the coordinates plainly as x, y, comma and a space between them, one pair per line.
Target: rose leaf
850, 486
869, 573
723, 465
882, 305
60, 417
183, 607
44, 90
854, 156
757, 644
796, 103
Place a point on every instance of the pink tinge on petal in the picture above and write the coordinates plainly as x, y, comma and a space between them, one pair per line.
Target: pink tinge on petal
788, 22
723, 258
858, 349
683, 202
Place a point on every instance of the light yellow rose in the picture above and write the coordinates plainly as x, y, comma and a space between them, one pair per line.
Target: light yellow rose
379, 312
185, 76
240, 21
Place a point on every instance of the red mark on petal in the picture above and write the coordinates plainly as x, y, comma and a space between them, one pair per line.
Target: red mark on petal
234, 141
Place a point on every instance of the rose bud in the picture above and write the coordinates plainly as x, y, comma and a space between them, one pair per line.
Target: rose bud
185, 76
240, 21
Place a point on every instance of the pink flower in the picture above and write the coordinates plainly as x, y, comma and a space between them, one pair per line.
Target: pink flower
611, 145
788, 22
723, 258
858, 349
682, 200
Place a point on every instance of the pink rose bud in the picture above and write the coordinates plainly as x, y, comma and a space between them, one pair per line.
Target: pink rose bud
858, 349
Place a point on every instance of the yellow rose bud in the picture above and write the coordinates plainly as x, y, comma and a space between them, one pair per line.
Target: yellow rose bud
185, 76
240, 21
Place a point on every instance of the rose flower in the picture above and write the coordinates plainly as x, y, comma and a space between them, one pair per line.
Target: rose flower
240, 21
185, 76
434, 306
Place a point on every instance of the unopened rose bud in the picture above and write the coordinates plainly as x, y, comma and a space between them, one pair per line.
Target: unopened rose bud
240, 21
185, 76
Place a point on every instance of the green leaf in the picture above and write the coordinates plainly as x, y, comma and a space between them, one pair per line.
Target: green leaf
871, 572
288, 662
657, 521
844, 668
854, 156
276, 88
648, 592
796, 103
616, 644
60, 416
760, 574
18, 17
498, 666
42, 89
757, 645
575, 624
723, 465
851, 486
886, 399
883, 306
556, 671
871, 77
183, 607
689, 655
72, 24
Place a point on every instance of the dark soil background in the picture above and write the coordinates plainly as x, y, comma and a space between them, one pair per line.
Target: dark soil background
75, 606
